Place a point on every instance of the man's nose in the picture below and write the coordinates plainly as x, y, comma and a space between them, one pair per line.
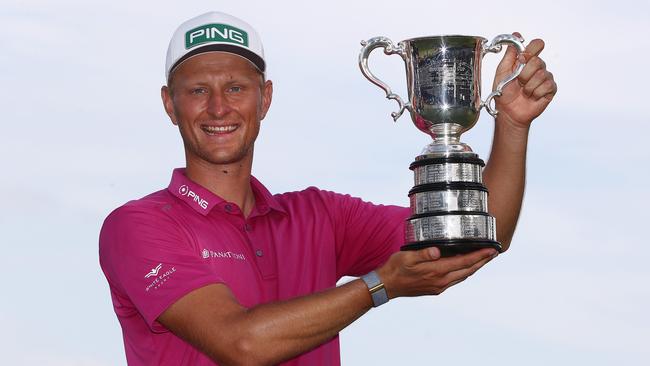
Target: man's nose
218, 104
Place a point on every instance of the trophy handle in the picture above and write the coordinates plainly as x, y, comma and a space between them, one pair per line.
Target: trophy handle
495, 47
389, 49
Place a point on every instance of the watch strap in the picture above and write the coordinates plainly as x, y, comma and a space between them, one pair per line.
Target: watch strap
376, 288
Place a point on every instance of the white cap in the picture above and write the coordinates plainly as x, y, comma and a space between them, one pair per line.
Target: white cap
214, 31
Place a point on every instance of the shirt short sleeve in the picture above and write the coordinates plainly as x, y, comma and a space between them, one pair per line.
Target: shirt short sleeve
149, 261
366, 233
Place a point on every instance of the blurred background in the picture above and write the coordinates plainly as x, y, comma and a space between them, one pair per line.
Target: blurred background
83, 131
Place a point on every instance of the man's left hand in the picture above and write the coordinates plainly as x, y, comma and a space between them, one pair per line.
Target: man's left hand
526, 97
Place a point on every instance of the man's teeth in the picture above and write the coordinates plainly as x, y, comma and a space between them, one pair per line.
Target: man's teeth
218, 129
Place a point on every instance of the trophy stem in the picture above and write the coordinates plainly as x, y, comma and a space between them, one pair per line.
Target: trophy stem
446, 141
446, 133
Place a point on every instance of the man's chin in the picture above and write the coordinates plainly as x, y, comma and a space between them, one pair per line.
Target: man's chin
225, 159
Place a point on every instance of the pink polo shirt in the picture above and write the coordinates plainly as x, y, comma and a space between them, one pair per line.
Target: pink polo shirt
155, 250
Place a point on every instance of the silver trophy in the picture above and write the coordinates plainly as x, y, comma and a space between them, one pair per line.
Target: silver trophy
448, 201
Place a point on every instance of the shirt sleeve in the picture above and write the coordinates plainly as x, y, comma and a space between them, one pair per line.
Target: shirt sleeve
366, 234
148, 258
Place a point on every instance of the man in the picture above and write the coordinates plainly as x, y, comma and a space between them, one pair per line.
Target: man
215, 269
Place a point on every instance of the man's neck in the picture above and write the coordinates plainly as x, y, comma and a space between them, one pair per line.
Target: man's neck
229, 181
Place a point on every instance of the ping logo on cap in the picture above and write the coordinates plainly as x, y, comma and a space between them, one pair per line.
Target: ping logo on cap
215, 33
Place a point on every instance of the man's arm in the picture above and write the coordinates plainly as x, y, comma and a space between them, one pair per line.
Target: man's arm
522, 101
211, 319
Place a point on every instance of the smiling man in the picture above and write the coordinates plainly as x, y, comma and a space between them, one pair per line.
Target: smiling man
215, 269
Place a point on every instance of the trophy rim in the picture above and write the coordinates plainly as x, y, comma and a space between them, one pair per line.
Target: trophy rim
445, 36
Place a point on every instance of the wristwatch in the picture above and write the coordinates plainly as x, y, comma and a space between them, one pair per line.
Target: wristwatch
376, 288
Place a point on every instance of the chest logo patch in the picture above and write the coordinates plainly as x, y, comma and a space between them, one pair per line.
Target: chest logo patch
218, 254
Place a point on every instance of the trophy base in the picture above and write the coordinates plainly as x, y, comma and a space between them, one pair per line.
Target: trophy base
452, 247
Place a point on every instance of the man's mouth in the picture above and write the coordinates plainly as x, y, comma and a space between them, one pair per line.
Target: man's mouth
215, 130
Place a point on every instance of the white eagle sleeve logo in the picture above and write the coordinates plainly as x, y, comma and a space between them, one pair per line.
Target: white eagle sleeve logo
153, 272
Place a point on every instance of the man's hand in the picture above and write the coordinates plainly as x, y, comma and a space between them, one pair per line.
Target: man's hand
526, 97
423, 272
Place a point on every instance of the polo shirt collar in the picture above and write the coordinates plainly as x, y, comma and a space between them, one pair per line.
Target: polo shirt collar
193, 194
203, 201
264, 200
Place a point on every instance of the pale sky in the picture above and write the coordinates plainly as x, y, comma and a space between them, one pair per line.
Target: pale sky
84, 131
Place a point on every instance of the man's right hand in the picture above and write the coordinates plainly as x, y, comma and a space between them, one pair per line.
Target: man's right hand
424, 272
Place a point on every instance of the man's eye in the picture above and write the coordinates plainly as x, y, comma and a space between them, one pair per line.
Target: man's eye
234, 89
198, 91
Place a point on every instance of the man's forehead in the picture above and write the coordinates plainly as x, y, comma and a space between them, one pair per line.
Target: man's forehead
217, 64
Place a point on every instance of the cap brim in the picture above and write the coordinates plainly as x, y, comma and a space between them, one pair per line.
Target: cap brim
220, 47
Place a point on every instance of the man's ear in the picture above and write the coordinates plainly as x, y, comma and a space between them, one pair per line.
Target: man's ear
168, 103
267, 97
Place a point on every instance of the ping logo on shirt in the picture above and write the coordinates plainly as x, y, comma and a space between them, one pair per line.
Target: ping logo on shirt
215, 33
184, 190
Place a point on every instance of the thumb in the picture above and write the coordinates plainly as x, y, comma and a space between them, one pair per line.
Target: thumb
427, 255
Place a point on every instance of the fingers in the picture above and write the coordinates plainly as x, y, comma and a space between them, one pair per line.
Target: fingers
456, 269
447, 265
538, 85
450, 264
508, 63
533, 65
540, 77
461, 274
547, 89
534, 48
535, 80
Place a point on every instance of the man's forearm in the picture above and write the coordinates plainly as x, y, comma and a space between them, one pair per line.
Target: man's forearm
213, 321
505, 177
282, 330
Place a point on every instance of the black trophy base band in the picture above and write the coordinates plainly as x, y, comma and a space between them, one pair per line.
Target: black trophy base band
448, 186
452, 247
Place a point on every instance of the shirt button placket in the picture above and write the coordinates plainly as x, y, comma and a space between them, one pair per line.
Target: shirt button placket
248, 228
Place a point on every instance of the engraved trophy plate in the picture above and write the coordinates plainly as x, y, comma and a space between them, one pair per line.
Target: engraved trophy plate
449, 203
451, 200
453, 172
444, 227
452, 234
